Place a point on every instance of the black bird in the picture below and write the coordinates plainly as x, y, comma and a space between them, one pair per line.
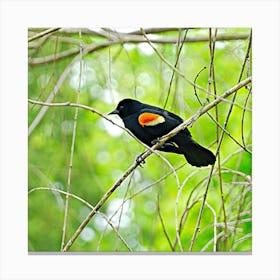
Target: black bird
148, 123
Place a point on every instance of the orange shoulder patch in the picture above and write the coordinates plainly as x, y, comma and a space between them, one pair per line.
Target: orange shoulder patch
150, 119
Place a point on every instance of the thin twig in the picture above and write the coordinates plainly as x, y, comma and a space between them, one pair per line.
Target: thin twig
66, 210
214, 226
162, 223
197, 227
243, 238
122, 206
69, 104
213, 80
176, 64
50, 98
187, 207
219, 235
155, 182
41, 34
243, 117
242, 200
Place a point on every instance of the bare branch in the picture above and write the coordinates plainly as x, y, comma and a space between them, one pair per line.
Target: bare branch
48, 31
50, 98
66, 210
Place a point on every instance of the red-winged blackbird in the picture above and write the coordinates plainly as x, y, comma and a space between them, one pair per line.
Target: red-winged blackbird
148, 123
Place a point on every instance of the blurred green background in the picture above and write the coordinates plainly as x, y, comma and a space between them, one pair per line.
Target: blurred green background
151, 211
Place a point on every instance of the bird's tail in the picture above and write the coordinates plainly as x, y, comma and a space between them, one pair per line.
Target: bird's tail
195, 154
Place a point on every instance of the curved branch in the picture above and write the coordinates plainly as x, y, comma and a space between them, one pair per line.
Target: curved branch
85, 203
41, 34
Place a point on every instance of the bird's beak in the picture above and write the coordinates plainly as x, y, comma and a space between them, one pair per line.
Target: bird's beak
115, 112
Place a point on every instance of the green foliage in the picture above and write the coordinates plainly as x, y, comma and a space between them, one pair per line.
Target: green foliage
151, 208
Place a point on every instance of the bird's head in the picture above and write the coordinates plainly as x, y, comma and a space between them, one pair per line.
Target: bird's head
127, 107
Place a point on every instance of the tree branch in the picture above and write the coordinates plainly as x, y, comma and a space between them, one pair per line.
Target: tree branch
128, 38
41, 34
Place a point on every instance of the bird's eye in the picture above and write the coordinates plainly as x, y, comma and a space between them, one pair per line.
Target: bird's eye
121, 107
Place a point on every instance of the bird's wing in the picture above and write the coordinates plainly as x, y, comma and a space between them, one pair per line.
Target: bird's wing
157, 121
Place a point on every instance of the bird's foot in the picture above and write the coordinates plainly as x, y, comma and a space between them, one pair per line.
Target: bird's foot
139, 160
155, 141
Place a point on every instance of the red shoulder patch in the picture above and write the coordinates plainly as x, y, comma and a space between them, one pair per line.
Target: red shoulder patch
150, 119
